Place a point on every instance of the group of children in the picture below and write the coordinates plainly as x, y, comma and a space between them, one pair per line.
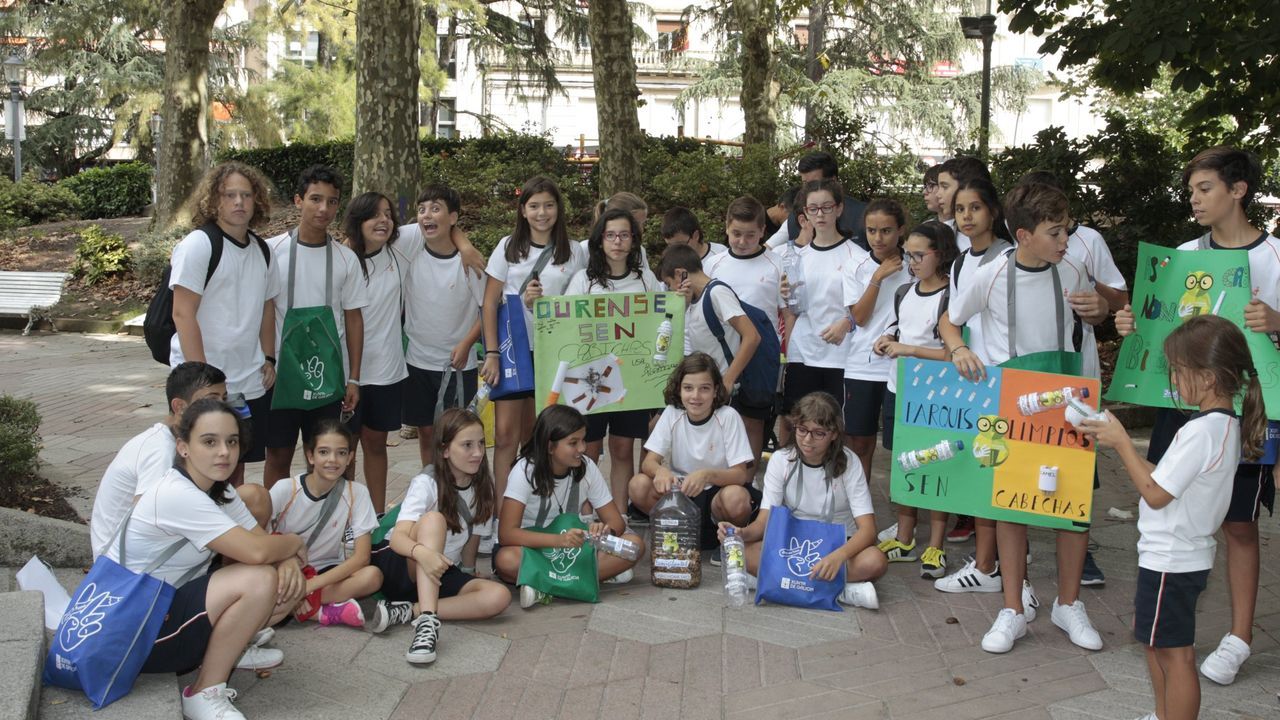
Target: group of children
991, 280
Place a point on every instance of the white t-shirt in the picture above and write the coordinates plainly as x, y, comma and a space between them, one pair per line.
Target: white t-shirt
717, 443
593, 489
809, 492
554, 278
987, 298
297, 511
383, 360
962, 270
917, 322
1088, 247
824, 270
629, 283
757, 278
1264, 266
422, 498
139, 465
348, 288
230, 313
1198, 470
697, 334
172, 509
863, 363
442, 303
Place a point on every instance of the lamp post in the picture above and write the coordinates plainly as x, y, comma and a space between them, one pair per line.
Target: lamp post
983, 28
13, 74
157, 124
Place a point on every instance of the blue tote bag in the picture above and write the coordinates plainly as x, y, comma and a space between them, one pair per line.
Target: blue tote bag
515, 349
110, 626
792, 547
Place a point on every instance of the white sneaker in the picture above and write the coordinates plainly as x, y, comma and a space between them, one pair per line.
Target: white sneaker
259, 658
969, 579
1075, 622
1222, 664
211, 703
622, 578
1008, 627
887, 533
1149, 716
1029, 601
263, 637
860, 594
530, 597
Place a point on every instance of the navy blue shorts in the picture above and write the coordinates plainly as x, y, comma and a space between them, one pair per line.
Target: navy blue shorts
1165, 607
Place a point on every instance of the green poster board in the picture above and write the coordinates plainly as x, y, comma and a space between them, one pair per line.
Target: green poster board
596, 353
1004, 443
1173, 285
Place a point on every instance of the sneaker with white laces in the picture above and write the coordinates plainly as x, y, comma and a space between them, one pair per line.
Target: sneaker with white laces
263, 636
530, 597
962, 531
426, 629
1029, 601
621, 578
211, 703
1074, 621
970, 579
1223, 663
382, 614
259, 658
887, 534
1008, 627
933, 563
860, 594
897, 551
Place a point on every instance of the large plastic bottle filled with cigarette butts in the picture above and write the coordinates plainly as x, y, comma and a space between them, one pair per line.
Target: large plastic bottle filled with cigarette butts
675, 559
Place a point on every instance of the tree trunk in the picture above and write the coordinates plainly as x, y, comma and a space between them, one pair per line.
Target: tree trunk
613, 68
187, 27
387, 157
813, 53
756, 20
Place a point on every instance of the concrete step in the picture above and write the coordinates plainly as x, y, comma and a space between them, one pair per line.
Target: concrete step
21, 653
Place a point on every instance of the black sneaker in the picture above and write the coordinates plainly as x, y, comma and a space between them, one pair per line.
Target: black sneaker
381, 614
423, 648
714, 557
635, 516
1092, 574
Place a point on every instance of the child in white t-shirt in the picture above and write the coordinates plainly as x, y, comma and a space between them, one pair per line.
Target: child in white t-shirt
338, 545
700, 444
552, 471
818, 479
930, 249
680, 227
428, 566
513, 270
442, 315
868, 292
1037, 281
1185, 497
630, 203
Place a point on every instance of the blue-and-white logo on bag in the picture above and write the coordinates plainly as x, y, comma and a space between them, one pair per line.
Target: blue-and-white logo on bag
801, 556
84, 619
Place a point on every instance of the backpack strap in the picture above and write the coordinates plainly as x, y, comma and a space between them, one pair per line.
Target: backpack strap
898, 295
216, 240
828, 507
1059, 313
543, 259
293, 268
1203, 242
164, 556
573, 502
326, 510
713, 322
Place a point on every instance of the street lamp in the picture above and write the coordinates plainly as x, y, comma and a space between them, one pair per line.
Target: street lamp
983, 28
13, 74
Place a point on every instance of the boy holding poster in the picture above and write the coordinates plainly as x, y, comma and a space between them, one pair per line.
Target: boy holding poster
1037, 276
1222, 181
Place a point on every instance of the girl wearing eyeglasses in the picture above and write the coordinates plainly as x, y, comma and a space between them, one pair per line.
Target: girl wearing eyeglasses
814, 473
615, 265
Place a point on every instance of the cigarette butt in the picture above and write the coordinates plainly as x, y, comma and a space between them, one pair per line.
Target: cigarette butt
554, 396
930, 396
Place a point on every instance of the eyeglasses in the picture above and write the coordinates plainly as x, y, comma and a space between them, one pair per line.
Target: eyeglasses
617, 236
918, 257
825, 209
817, 434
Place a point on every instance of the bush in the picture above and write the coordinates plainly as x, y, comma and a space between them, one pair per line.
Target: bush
100, 255
19, 438
30, 202
112, 191
153, 253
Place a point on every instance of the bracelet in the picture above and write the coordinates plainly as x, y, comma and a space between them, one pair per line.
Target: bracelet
957, 349
492, 352
875, 283
271, 359
415, 547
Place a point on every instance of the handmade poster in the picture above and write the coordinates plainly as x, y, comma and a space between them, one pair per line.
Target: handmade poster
606, 353
1000, 448
1172, 286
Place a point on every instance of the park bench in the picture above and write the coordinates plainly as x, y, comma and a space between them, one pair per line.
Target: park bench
30, 294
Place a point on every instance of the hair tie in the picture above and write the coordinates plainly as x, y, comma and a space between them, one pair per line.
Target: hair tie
1250, 374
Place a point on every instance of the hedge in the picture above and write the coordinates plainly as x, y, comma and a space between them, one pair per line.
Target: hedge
111, 191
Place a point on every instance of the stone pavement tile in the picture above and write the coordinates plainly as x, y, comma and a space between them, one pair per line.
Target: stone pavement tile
661, 699
978, 708
311, 645
793, 700
1030, 713
742, 671
418, 701
630, 660
522, 656
621, 700
704, 666
1044, 684
793, 627
555, 665
460, 651
870, 711
592, 662
335, 693
834, 657
461, 698
561, 616
778, 664
891, 668
658, 618
515, 696
1107, 705
582, 703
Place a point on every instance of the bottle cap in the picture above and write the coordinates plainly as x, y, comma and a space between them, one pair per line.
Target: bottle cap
668, 316
728, 532
959, 444
1084, 392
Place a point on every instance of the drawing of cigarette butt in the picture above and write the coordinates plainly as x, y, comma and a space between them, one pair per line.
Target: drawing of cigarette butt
973, 395
986, 403
917, 367
959, 391
991, 383
930, 397
554, 396
942, 372
1218, 305
946, 389
915, 381
928, 380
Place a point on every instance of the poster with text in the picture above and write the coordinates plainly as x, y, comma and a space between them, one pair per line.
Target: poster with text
1172, 286
1000, 448
604, 353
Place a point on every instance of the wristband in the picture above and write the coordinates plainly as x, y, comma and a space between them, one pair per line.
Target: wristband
492, 352
354, 381
875, 283
468, 569
271, 359
957, 349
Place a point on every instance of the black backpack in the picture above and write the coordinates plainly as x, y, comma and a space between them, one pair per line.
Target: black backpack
158, 328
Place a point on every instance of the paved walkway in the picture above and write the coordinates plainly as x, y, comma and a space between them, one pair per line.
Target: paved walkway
648, 652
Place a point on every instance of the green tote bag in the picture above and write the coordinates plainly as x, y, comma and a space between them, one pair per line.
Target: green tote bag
309, 374
561, 572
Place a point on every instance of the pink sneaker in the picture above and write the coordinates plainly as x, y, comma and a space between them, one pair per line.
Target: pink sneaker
343, 613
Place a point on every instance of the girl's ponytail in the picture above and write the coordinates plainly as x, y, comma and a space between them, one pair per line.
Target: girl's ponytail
1253, 424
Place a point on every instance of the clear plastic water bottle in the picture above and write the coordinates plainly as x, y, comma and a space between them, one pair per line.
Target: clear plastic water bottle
733, 553
793, 271
614, 545
482, 397
944, 450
